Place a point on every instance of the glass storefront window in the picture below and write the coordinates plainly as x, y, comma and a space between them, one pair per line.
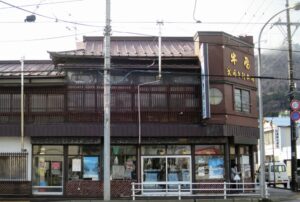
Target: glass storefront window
123, 162
245, 162
47, 176
84, 162
154, 169
154, 150
165, 170
179, 149
49, 149
209, 162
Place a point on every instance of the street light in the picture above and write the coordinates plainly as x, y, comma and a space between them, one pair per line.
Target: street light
261, 132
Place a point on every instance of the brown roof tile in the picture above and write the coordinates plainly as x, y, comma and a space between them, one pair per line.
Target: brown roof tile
136, 46
32, 68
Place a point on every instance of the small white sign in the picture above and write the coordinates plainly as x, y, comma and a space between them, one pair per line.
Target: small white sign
76, 165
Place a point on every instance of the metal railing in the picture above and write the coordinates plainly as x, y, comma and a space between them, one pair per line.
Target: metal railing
184, 189
13, 166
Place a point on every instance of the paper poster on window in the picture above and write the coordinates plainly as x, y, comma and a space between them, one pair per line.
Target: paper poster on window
90, 168
201, 171
55, 168
76, 165
118, 172
244, 159
216, 167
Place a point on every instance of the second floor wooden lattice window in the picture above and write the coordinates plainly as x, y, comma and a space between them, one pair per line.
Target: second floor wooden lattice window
84, 103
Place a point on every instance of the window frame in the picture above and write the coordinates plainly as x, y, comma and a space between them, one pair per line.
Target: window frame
242, 100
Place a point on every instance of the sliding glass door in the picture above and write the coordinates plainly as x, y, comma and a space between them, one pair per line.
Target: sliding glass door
164, 173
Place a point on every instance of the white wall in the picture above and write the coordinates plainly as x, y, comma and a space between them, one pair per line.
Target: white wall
13, 144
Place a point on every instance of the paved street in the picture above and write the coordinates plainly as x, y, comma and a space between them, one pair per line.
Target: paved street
275, 194
283, 195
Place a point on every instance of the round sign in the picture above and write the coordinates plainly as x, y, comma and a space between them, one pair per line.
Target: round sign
295, 116
295, 104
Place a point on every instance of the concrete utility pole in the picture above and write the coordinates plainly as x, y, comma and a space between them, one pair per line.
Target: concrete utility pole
106, 105
22, 105
294, 184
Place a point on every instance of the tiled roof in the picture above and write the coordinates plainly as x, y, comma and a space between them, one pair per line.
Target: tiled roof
33, 68
136, 47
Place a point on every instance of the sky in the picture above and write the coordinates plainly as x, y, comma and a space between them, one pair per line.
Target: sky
61, 23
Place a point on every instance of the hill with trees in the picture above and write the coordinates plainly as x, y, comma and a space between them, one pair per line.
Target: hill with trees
275, 89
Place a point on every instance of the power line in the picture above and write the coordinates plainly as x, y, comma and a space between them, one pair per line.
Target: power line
48, 17
30, 5
47, 38
244, 14
151, 22
145, 35
155, 71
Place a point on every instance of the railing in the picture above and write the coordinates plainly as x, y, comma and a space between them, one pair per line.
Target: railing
13, 166
183, 189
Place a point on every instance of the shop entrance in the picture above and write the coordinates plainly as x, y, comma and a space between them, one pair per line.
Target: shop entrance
47, 172
165, 172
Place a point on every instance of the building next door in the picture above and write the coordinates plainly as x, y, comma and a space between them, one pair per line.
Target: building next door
164, 173
47, 168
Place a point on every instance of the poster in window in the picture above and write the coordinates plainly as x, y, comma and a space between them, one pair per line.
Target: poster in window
90, 168
55, 168
216, 167
76, 165
201, 171
118, 171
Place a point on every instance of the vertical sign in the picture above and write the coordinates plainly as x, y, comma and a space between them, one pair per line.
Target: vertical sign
203, 57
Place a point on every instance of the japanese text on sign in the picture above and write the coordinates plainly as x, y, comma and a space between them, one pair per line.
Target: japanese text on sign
233, 72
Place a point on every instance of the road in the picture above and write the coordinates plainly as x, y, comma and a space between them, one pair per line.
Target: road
279, 194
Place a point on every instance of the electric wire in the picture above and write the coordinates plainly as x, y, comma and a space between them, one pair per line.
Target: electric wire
48, 38
194, 12
148, 35
48, 17
48, 3
154, 72
253, 16
251, 25
241, 19
78, 23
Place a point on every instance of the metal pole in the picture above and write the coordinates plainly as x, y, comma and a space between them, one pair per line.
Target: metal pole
139, 101
273, 158
106, 97
22, 104
260, 105
294, 184
160, 23
261, 127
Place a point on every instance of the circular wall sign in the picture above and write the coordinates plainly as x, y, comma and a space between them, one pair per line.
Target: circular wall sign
215, 96
295, 116
295, 104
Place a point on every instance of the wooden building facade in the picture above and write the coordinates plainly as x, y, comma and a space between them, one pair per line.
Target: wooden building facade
195, 122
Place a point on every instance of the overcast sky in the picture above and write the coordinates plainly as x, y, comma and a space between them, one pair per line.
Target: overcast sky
53, 29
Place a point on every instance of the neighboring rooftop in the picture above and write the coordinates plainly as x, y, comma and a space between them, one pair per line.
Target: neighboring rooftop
134, 47
32, 68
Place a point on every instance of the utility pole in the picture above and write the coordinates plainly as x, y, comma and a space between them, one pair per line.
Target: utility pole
22, 105
294, 184
106, 105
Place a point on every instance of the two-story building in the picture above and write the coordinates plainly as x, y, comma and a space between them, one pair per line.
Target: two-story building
277, 132
190, 125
